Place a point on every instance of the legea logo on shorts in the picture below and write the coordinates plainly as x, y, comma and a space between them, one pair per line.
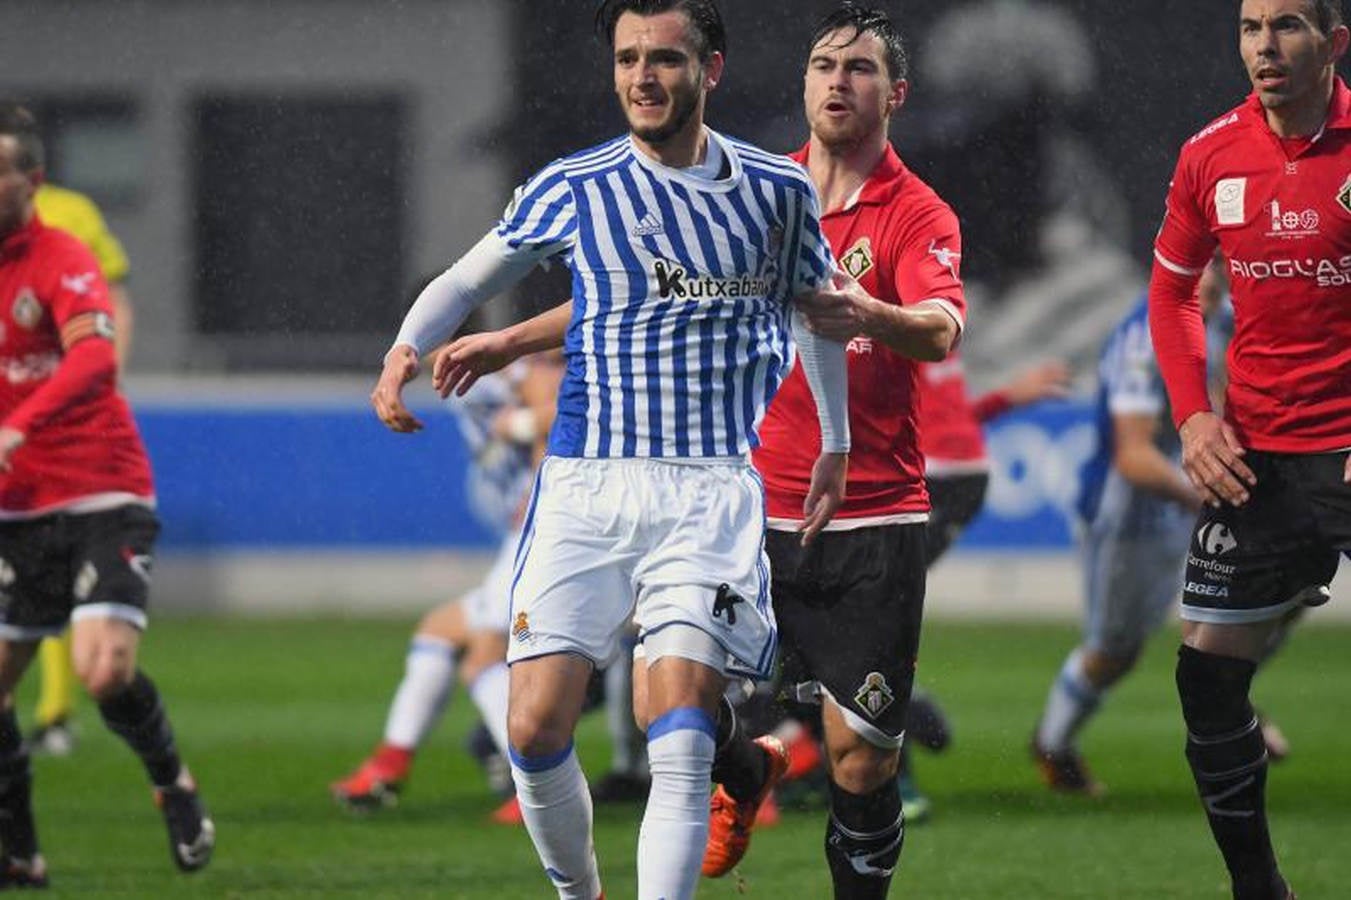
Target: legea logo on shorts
1216, 539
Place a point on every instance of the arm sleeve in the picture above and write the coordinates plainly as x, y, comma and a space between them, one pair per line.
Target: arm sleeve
87, 368
991, 406
824, 364
813, 262
927, 264
490, 267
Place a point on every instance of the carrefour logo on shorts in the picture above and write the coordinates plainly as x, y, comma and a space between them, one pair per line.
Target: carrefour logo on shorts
1215, 538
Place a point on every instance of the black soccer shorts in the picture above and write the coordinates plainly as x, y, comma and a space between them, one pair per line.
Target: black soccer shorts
955, 501
64, 565
848, 608
1252, 563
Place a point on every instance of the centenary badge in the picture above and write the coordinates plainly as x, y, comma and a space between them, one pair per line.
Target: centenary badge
858, 259
27, 311
1344, 194
874, 695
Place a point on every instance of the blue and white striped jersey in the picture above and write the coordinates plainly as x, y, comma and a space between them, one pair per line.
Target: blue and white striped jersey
1129, 382
500, 473
681, 290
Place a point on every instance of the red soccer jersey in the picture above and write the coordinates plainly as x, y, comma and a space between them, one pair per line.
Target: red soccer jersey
949, 426
1280, 212
86, 454
903, 245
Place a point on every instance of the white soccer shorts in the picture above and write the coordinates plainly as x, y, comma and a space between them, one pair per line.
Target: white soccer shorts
665, 542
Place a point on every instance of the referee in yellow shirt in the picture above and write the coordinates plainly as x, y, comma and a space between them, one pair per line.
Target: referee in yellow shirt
75, 213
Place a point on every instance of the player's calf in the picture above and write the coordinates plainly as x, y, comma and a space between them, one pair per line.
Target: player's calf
1228, 759
863, 841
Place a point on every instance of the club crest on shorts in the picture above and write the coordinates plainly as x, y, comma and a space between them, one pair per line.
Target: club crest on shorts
874, 695
86, 581
140, 563
858, 259
520, 628
1215, 538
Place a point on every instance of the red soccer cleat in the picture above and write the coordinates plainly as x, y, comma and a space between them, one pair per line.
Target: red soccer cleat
730, 822
376, 782
509, 813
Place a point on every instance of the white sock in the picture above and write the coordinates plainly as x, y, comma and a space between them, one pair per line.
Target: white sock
428, 676
556, 806
680, 747
489, 692
1073, 699
625, 740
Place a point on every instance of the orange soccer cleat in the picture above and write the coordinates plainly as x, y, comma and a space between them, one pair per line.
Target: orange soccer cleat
730, 821
376, 782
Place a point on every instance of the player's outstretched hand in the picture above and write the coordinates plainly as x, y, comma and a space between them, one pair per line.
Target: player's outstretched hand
840, 311
401, 367
10, 440
825, 495
469, 358
1212, 457
1041, 382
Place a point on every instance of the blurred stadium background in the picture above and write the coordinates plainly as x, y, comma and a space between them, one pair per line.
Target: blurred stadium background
285, 174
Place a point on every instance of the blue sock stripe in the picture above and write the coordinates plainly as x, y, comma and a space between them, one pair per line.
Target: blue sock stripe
424, 645
539, 763
687, 717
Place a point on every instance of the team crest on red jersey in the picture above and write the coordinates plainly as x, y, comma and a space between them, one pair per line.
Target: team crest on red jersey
1344, 194
858, 259
27, 311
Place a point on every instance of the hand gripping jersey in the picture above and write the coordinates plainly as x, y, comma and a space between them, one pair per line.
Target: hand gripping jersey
681, 289
902, 243
1280, 211
85, 454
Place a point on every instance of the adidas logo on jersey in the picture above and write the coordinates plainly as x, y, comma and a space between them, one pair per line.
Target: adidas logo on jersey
648, 225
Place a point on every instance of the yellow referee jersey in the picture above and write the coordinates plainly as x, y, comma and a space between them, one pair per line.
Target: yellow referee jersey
73, 212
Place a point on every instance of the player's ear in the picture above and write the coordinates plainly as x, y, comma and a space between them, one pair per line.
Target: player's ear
713, 71
899, 91
1340, 38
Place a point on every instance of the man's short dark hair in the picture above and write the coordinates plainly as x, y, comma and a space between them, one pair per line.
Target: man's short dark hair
867, 20
1327, 15
705, 20
18, 123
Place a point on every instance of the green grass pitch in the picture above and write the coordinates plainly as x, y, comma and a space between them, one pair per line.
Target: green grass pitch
268, 712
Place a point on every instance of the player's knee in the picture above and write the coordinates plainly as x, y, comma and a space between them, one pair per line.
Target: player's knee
535, 735
106, 680
862, 768
1105, 666
1213, 690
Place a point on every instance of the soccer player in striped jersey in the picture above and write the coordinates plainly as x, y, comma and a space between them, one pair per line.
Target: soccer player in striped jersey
687, 250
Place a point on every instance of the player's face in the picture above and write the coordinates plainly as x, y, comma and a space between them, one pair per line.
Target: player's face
16, 187
848, 93
1287, 57
658, 78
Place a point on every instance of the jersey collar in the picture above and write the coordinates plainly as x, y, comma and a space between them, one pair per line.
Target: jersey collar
1339, 110
881, 184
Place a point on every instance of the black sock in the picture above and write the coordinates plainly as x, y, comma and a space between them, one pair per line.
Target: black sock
1228, 759
739, 764
18, 833
137, 716
863, 841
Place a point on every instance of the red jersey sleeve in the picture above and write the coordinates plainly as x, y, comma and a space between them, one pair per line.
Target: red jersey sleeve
928, 261
1183, 247
73, 287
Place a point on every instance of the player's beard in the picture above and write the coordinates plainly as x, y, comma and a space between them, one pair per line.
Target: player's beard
842, 137
683, 105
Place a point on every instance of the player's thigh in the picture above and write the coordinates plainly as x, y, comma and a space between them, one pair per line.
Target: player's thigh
545, 701
1132, 581
571, 587
35, 578
857, 764
850, 607
1255, 562
704, 563
447, 621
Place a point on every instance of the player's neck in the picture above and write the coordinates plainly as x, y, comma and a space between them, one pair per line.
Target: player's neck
839, 171
1306, 116
680, 151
